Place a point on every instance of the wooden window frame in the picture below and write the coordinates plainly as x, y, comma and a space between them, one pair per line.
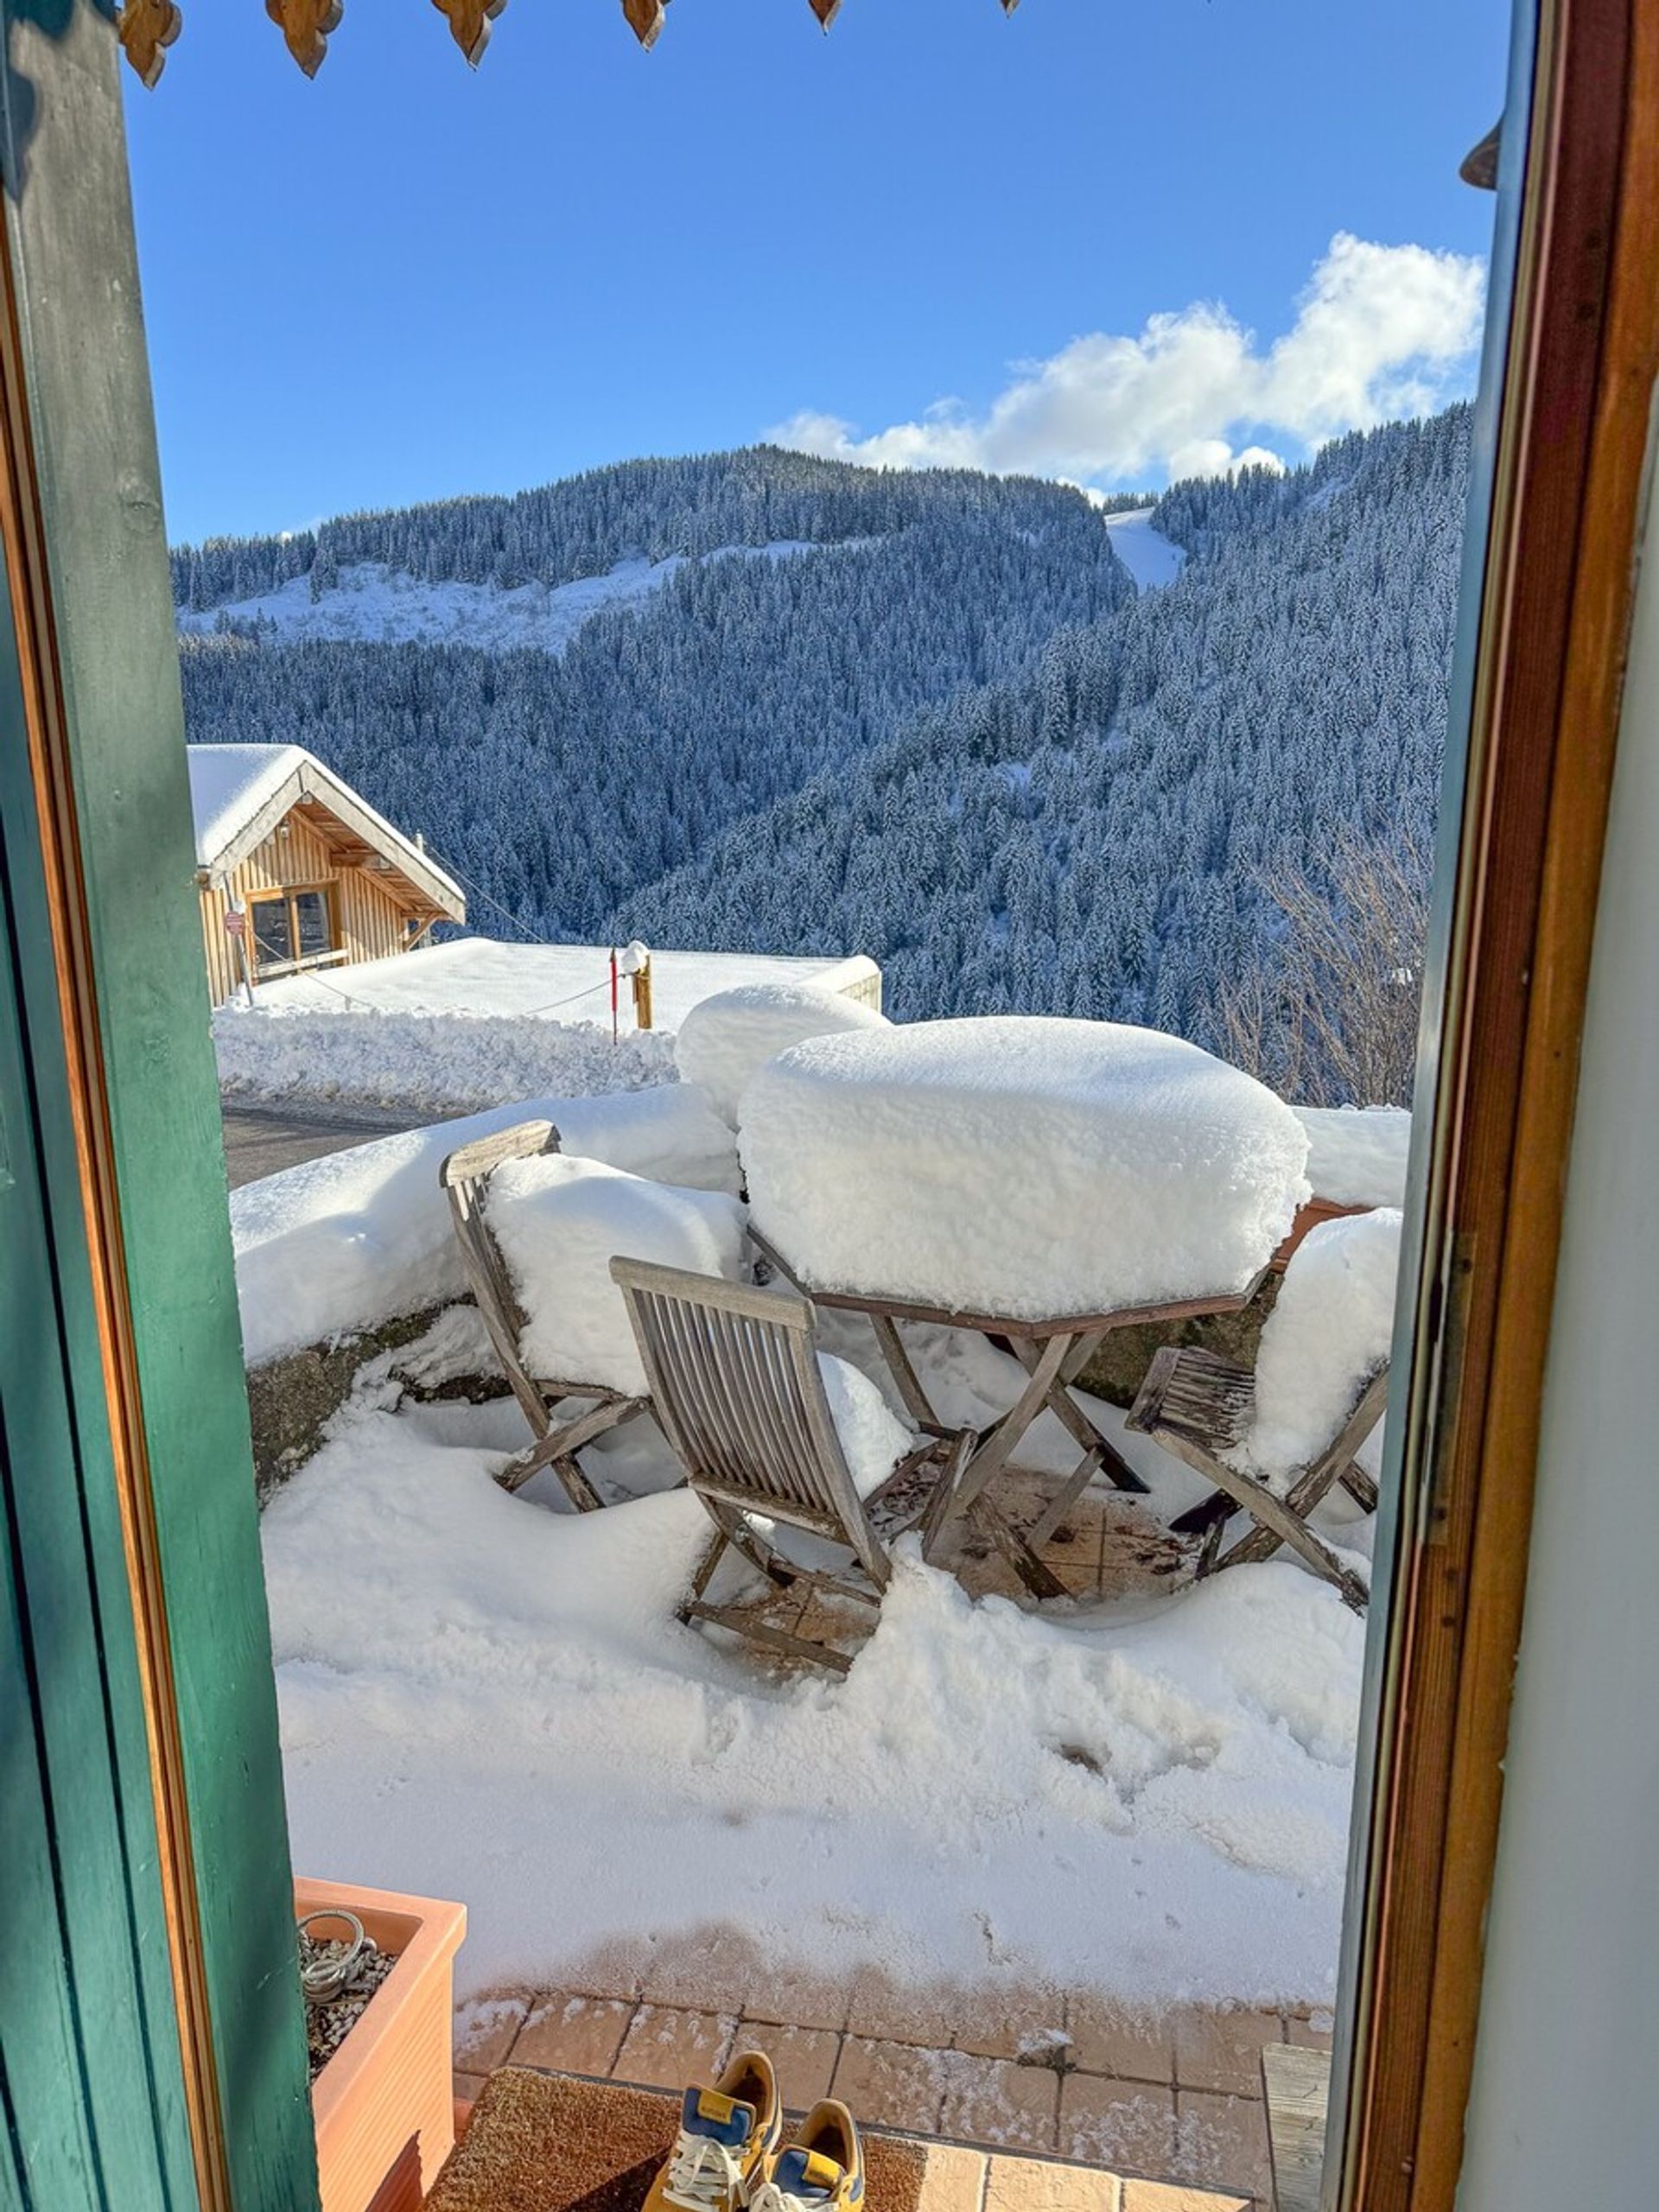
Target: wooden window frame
1566, 406
1539, 707
265, 971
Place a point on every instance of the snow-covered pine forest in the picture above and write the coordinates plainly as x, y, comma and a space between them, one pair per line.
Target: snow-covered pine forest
937, 726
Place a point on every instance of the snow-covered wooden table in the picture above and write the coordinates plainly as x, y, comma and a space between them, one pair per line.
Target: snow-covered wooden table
1045, 1181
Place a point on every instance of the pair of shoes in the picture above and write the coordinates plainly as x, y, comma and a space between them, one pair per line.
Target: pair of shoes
730, 2155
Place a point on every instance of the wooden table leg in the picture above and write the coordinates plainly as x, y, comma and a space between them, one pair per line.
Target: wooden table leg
997, 1447
903, 1372
1071, 1416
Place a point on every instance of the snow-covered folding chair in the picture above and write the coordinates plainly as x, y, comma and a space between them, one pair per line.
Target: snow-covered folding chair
1324, 1356
464, 1176
744, 1398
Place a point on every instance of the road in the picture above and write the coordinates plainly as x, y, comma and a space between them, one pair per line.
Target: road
259, 1141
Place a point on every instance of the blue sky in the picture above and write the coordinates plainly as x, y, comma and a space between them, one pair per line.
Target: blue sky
402, 280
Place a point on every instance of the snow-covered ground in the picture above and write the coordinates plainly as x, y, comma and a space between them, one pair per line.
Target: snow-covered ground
481, 975
488, 1697
426, 1064
371, 603
463, 1025
1151, 558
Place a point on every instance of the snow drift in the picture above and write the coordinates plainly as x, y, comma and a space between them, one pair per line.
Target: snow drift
339, 1243
726, 1040
560, 1221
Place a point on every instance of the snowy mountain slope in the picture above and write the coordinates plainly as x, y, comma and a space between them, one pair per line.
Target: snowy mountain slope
367, 602
1093, 836
1027, 755
1151, 559
694, 688
633, 511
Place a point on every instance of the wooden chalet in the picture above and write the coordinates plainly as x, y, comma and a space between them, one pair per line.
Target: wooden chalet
295, 872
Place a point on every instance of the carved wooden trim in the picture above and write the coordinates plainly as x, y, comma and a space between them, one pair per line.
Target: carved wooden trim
305, 26
470, 21
146, 29
644, 19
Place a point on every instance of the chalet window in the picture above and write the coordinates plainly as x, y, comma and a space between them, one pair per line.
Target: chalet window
292, 927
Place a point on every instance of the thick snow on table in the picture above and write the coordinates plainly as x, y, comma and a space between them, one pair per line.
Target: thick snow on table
1357, 1156
1026, 1167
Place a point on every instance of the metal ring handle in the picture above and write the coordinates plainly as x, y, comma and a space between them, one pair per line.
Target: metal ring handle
323, 1979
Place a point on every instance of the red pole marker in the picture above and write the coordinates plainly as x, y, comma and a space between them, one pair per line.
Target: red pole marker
615, 1034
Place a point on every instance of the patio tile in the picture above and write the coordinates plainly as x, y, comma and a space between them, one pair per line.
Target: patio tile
1223, 2050
842, 1621
467, 2087
668, 2049
711, 1972
1223, 2142
891, 2084
1173, 2196
573, 2035
1314, 2029
1011, 2025
1108, 2039
803, 2059
1126, 2126
893, 2011
615, 1969
996, 2100
485, 2031
1037, 2185
954, 2180
788, 1999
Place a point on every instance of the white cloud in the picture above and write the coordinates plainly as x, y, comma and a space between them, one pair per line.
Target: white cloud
1379, 331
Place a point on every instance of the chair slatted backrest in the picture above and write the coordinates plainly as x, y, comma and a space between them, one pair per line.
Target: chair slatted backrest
735, 1379
462, 1177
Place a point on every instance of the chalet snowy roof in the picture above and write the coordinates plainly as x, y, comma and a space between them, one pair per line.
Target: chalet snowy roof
147, 28
239, 793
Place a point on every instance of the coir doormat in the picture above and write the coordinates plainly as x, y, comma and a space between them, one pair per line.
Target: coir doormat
550, 2143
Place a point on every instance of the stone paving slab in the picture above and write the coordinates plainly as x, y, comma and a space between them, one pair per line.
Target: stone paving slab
1059, 2074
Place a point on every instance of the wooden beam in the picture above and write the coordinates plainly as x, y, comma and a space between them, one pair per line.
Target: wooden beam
1572, 444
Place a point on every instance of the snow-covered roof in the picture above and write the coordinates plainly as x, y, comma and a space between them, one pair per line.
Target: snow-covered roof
239, 793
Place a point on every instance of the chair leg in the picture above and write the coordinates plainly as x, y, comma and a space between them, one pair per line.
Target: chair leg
1209, 1551
775, 1639
1214, 1511
718, 1544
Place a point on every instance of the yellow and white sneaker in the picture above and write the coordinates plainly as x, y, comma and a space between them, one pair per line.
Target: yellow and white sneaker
822, 2171
728, 2137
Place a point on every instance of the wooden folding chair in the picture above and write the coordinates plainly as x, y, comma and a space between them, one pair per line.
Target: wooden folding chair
463, 1176
1199, 1408
736, 1387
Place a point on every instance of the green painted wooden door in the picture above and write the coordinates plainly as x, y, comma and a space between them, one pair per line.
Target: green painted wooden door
88, 2043
92, 2080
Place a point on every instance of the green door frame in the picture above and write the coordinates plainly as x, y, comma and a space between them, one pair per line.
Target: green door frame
152, 2031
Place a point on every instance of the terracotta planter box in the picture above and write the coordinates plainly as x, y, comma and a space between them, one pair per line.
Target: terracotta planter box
381, 2106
